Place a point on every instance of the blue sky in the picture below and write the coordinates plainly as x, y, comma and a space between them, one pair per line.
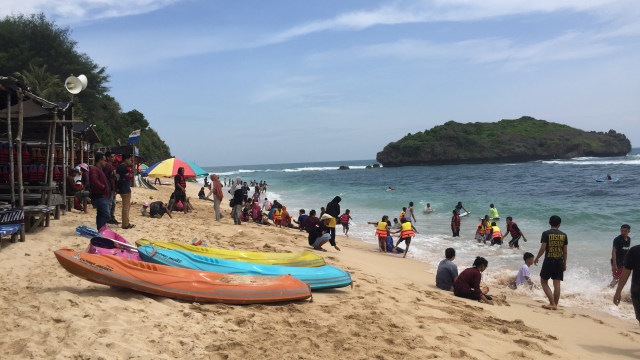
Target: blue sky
252, 82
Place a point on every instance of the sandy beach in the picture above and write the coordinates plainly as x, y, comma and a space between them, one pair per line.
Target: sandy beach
393, 310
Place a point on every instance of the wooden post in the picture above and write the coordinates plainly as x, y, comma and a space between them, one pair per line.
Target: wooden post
11, 172
19, 145
52, 152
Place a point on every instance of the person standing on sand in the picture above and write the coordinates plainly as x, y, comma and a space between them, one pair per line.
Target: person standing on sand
554, 245
409, 215
216, 191
99, 189
621, 245
180, 183
631, 264
109, 172
333, 209
236, 192
455, 223
124, 189
382, 231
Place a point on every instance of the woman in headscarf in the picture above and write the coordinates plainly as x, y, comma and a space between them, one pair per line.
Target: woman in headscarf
236, 191
216, 191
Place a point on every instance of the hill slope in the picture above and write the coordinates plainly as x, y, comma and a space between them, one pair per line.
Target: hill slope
524, 139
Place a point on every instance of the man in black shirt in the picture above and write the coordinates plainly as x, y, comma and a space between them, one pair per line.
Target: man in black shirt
631, 264
621, 245
123, 188
553, 245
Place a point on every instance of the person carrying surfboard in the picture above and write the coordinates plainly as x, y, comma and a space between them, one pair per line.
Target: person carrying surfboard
460, 207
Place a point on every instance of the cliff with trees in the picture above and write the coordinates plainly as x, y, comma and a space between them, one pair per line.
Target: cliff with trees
520, 140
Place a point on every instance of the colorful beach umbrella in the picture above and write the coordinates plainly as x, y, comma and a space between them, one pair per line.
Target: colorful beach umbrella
142, 167
169, 167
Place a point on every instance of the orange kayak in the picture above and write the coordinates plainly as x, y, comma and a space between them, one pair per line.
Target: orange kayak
180, 283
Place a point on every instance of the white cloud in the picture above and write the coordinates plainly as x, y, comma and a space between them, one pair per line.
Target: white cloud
76, 11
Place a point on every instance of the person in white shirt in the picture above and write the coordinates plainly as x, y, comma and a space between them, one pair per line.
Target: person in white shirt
524, 274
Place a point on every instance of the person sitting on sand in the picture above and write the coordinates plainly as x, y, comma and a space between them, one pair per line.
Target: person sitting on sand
145, 209
277, 216
266, 205
554, 245
286, 218
201, 194
524, 274
301, 218
382, 230
157, 209
467, 285
406, 233
320, 234
447, 271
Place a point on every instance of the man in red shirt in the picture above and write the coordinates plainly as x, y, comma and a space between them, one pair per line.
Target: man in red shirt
99, 189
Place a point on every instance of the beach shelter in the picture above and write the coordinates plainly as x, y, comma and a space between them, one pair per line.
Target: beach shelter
169, 168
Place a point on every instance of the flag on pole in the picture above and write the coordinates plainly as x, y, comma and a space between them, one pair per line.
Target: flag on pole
134, 137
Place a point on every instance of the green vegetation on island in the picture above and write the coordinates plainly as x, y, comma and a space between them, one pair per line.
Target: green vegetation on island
42, 55
520, 140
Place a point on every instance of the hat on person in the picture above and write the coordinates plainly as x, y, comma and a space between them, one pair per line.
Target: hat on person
76, 169
83, 166
326, 217
145, 204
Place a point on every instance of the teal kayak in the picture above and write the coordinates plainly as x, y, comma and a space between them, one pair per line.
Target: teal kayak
321, 277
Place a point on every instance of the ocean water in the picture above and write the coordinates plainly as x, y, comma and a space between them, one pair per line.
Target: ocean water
531, 192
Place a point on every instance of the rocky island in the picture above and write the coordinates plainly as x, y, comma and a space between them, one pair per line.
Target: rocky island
519, 140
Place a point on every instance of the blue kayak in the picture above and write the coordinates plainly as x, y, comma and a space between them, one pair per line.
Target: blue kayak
608, 180
321, 277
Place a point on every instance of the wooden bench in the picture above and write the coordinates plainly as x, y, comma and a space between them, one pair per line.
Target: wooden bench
37, 215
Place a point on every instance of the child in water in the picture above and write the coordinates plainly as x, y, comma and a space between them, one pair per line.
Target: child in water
381, 232
344, 220
406, 233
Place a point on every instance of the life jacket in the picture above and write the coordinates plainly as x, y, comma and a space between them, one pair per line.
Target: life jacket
381, 231
277, 215
33, 173
402, 214
512, 229
496, 232
183, 182
344, 218
4, 153
4, 174
25, 173
57, 174
407, 230
40, 173
26, 156
481, 230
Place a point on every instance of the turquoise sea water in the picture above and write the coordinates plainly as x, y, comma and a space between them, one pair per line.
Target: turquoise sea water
591, 212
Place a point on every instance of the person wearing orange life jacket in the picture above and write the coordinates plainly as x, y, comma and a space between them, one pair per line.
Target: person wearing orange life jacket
406, 233
277, 215
496, 234
381, 232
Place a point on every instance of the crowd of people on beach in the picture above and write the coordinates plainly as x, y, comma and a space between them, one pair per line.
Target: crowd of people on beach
111, 175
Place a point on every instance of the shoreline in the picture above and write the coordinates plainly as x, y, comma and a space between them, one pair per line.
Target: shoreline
393, 310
